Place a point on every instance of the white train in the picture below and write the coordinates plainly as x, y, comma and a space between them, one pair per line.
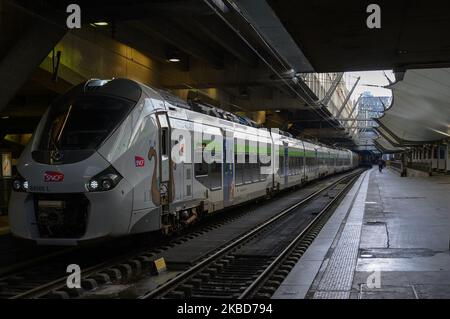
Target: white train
99, 164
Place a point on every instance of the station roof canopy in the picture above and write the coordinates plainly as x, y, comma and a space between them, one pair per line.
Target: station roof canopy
334, 37
420, 110
385, 146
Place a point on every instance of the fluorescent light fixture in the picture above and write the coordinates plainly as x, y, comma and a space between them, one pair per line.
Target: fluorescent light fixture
174, 60
100, 23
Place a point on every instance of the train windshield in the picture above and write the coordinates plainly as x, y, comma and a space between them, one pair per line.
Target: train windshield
82, 123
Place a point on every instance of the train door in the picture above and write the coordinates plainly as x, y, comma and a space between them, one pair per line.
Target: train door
328, 163
182, 168
166, 186
286, 163
316, 163
228, 168
303, 162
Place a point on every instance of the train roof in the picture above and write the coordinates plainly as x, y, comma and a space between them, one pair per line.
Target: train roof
132, 90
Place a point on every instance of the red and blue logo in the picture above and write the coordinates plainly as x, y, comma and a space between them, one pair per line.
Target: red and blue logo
53, 177
139, 161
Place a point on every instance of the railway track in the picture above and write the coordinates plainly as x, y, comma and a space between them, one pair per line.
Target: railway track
245, 268
46, 277
48, 280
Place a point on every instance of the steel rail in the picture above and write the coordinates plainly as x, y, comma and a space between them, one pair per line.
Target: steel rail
165, 287
294, 242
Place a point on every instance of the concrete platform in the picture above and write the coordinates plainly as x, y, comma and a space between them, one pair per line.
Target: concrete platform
389, 238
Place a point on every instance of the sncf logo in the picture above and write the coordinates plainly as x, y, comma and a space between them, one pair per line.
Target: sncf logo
53, 177
139, 161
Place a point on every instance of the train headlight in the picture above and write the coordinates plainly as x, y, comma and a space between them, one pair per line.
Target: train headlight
105, 181
93, 185
20, 184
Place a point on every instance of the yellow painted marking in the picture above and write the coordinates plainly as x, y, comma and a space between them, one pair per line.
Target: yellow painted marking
160, 265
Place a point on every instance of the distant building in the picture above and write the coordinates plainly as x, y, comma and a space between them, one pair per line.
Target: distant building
370, 106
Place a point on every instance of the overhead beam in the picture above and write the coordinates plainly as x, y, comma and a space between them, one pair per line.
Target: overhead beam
326, 99
344, 103
263, 19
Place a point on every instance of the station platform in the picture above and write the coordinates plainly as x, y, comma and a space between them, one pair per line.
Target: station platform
389, 238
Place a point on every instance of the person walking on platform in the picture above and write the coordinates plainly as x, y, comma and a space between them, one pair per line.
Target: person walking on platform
381, 165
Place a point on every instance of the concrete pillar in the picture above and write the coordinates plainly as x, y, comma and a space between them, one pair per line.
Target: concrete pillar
447, 155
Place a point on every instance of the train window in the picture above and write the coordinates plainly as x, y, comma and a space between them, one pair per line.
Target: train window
238, 165
247, 170
293, 163
201, 169
82, 123
290, 167
281, 165
255, 172
262, 174
164, 148
239, 173
215, 175
296, 166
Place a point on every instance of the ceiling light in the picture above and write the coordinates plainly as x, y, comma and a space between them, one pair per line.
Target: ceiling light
174, 59
5, 117
277, 111
100, 23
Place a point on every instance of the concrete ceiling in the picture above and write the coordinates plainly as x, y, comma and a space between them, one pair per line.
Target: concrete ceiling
218, 50
334, 37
